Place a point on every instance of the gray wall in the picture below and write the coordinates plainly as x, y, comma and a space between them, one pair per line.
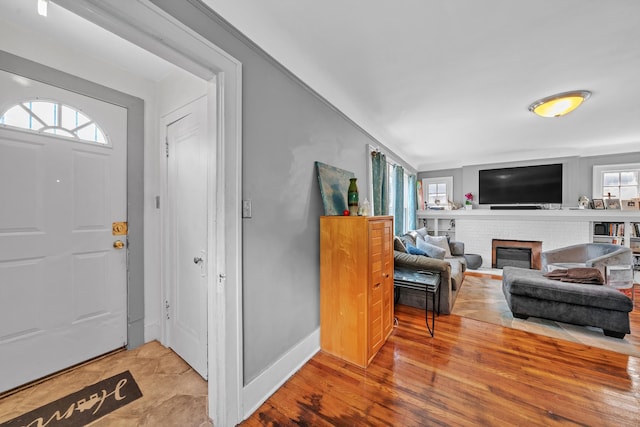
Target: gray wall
586, 164
577, 174
286, 128
457, 180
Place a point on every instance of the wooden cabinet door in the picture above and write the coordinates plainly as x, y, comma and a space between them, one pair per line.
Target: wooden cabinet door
376, 285
387, 285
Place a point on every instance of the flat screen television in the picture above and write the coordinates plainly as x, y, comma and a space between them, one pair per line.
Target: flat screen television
539, 184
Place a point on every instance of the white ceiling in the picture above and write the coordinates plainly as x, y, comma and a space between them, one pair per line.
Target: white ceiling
76, 34
442, 83
448, 83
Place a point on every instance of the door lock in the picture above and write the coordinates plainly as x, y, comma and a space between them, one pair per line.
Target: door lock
197, 260
118, 244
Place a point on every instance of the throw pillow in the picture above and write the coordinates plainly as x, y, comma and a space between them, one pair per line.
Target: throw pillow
398, 245
422, 232
432, 251
408, 239
415, 236
440, 241
415, 251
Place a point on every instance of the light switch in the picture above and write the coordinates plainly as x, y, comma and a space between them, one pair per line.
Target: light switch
246, 209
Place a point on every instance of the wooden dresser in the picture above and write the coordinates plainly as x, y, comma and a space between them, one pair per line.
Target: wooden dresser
356, 285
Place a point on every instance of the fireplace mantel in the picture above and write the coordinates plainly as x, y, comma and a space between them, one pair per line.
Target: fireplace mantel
564, 214
554, 228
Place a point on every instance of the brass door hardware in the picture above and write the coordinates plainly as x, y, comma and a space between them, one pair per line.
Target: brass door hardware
119, 228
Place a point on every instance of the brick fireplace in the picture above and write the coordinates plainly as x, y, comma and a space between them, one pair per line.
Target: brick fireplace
554, 228
517, 253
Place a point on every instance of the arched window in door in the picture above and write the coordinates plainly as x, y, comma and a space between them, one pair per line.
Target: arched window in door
53, 118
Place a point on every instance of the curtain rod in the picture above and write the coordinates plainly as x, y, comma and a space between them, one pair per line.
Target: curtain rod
376, 151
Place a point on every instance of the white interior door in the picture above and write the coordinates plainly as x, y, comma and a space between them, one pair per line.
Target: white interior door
187, 251
62, 281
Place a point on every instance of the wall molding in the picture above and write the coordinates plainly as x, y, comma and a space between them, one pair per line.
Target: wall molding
211, 14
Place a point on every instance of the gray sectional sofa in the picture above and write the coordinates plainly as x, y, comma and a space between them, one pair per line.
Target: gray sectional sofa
529, 293
451, 271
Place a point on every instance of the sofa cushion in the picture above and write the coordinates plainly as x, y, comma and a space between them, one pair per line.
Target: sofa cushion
421, 262
440, 241
399, 245
461, 260
430, 250
457, 275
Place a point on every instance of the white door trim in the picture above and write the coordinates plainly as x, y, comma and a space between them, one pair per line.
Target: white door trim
148, 26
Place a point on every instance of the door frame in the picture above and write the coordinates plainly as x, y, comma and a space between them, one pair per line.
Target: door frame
149, 27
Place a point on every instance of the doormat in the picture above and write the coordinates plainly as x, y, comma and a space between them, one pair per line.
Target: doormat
84, 406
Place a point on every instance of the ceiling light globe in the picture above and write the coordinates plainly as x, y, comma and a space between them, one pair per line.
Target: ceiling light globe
560, 104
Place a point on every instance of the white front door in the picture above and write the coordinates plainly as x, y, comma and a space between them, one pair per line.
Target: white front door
62, 281
187, 164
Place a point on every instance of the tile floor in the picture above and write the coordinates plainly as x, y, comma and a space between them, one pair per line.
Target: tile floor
173, 394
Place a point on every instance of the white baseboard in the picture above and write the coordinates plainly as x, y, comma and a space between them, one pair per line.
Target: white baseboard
152, 332
258, 391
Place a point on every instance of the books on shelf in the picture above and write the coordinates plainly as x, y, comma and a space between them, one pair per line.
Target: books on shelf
613, 232
616, 229
609, 228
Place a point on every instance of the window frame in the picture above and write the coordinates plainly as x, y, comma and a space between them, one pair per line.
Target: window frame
600, 170
447, 180
50, 129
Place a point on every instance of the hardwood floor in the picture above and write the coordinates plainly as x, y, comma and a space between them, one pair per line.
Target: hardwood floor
470, 374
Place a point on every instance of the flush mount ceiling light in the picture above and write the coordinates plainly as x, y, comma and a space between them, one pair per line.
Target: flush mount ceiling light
560, 104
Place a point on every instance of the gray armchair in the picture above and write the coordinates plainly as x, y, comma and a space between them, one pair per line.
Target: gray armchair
596, 255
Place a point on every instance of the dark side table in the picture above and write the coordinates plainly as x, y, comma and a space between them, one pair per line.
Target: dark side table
426, 281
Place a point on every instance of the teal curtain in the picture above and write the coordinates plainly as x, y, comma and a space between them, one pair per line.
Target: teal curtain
398, 215
380, 191
412, 203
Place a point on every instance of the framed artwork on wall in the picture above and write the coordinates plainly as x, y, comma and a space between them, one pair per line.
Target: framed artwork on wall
334, 186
